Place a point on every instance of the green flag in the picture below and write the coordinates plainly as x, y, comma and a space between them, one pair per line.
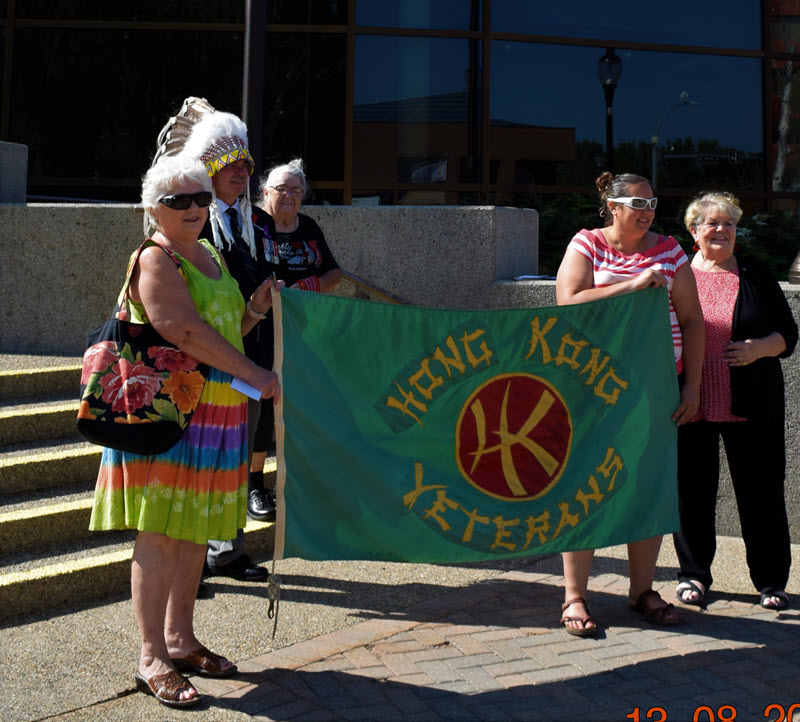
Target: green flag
430, 435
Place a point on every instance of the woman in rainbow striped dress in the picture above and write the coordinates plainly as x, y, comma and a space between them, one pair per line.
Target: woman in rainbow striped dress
198, 489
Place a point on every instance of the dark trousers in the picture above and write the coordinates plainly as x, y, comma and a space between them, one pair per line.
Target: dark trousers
757, 461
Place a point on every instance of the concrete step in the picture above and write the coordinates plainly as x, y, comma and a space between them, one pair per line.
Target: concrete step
41, 519
34, 420
80, 572
49, 559
93, 571
41, 465
35, 523
24, 376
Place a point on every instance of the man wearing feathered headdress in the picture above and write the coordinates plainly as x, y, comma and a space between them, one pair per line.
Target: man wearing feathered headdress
219, 141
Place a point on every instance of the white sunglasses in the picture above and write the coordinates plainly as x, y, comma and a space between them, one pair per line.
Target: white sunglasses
637, 203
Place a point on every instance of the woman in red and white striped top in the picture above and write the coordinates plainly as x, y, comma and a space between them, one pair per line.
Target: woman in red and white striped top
622, 257
613, 267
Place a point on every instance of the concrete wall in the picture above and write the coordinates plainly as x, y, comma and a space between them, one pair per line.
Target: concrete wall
68, 261
64, 264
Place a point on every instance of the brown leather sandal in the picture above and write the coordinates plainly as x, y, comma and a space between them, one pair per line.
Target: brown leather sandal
167, 688
578, 631
655, 615
204, 662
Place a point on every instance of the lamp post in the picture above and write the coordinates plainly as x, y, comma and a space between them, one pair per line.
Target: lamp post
609, 71
654, 140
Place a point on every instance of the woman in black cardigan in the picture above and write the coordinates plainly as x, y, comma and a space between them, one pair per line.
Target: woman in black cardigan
749, 326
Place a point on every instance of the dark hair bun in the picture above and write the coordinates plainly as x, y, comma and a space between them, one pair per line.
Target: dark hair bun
603, 181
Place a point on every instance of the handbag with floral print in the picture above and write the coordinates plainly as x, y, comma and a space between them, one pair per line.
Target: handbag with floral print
138, 391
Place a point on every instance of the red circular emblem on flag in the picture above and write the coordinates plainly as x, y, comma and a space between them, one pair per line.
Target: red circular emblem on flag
513, 437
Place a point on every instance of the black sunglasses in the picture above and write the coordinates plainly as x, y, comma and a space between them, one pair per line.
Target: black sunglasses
182, 201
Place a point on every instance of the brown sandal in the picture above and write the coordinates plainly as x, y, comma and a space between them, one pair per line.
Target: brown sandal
204, 662
578, 631
655, 615
167, 688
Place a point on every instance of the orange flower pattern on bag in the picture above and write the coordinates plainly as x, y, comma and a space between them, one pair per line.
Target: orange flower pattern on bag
84, 412
184, 389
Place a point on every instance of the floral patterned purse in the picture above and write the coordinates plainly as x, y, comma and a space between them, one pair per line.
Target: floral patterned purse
138, 391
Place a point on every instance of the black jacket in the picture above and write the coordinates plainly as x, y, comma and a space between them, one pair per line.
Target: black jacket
761, 308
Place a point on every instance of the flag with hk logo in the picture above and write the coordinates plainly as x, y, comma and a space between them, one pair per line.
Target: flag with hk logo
430, 435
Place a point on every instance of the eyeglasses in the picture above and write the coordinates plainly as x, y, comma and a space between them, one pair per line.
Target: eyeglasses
727, 225
182, 201
286, 191
638, 203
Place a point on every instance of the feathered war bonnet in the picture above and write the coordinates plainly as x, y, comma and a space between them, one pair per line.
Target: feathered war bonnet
217, 140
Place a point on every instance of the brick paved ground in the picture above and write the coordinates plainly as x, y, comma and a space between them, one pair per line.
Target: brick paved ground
493, 651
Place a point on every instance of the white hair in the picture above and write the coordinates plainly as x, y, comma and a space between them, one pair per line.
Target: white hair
293, 168
706, 203
168, 172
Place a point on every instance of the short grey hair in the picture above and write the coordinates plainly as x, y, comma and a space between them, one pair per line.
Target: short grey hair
168, 172
708, 202
293, 168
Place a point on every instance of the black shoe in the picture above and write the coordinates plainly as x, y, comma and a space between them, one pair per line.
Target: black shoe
243, 569
259, 507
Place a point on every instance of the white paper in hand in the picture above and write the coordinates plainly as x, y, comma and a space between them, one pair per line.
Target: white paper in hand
244, 388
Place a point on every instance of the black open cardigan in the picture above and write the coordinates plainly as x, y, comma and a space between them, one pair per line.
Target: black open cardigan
761, 308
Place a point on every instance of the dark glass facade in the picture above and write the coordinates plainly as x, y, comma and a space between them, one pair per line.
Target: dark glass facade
711, 23
415, 101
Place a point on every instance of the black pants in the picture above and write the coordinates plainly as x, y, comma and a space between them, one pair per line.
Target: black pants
757, 461
262, 434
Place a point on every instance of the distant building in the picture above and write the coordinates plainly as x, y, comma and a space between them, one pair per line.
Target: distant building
415, 101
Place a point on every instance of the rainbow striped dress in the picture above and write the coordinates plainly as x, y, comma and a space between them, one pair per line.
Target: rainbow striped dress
197, 490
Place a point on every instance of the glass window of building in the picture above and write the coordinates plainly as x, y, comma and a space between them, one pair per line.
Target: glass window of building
548, 124
784, 26
416, 114
103, 134
711, 23
390, 102
784, 103
206, 11
426, 14
786, 126
304, 103
314, 12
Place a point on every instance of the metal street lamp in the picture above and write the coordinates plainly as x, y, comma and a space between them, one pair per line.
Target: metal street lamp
654, 140
609, 71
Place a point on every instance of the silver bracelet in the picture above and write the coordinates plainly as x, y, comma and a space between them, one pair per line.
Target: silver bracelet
254, 313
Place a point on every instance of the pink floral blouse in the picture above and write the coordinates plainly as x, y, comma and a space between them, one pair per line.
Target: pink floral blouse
718, 292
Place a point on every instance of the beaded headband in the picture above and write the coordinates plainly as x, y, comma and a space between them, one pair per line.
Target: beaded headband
215, 164
217, 140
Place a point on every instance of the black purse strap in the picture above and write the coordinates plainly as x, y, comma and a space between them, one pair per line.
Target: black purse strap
123, 294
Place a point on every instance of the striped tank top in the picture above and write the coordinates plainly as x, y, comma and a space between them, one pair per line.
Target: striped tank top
610, 266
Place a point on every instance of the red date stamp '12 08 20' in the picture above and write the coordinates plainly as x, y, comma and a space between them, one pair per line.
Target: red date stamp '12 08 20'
725, 713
